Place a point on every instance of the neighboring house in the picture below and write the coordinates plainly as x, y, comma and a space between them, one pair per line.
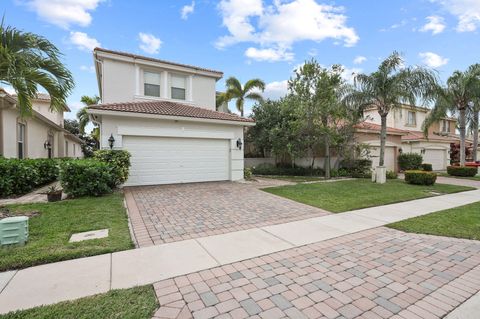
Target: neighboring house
435, 148
40, 135
164, 114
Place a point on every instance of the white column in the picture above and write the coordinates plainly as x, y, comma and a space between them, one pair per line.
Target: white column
165, 87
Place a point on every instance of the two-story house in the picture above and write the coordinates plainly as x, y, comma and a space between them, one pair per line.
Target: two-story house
435, 148
40, 135
164, 114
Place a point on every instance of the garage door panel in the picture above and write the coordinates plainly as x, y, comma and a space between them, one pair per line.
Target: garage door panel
158, 160
390, 159
436, 157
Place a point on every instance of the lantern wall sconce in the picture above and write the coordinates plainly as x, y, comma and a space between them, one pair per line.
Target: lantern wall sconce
111, 141
239, 143
47, 145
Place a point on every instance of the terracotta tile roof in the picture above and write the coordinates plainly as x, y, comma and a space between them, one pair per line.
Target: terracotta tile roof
135, 56
169, 108
417, 135
376, 127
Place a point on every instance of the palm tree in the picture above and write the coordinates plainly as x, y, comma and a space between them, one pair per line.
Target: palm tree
29, 61
236, 91
457, 97
82, 115
389, 87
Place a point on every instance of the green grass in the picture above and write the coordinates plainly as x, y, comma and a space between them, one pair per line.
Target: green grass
348, 195
460, 222
135, 303
295, 179
474, 178
51, 230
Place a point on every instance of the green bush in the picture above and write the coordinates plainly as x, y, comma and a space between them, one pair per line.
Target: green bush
410, 161
426, 167
392, 175
462, 171
358, 168
86, 177
420, 177
119, 162
247, 173
20, 176
341, 172
269, 169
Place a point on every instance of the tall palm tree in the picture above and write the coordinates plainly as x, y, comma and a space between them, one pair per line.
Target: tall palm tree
29, 61
82, 115
391, 86
235, 90
457, 97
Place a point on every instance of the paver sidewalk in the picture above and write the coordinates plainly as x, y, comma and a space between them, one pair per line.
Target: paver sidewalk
36, 196
72, 279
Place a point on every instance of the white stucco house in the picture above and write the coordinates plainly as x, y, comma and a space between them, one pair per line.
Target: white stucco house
40, 135
164, 114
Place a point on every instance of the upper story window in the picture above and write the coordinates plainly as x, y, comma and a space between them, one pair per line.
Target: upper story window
178, 87
151, 84
445, 126
411, 118
21, 140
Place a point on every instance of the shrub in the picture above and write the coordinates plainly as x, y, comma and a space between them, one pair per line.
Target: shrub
47, 170
86, 178
358, 168
341, 172
119, 162
426, 167
410, 161
269, 169
462, 171
247, 173
420, 177
392, 175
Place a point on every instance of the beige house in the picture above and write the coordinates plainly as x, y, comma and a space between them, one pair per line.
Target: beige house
38, 136
435, 148
164, 114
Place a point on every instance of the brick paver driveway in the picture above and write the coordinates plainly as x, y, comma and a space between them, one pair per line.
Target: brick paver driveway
379, 273
169, 213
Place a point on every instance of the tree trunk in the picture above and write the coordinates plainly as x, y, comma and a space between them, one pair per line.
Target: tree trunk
475, 135
383, 139
462, 136
326, 165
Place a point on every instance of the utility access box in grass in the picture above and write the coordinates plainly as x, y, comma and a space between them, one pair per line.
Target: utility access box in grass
14, 230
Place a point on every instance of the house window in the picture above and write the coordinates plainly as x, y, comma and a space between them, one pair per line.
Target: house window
21, 140
178, 87
445, 126
411, 118
151, 84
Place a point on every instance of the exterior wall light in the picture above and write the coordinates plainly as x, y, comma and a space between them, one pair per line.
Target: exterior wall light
47, 145
111, 141
239, 143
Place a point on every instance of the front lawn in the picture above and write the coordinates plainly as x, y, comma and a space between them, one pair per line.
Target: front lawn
52, 228
348, 195
134, 303
474, 178
460, 222
294, 179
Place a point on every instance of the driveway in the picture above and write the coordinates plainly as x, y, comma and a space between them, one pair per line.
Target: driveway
168, 213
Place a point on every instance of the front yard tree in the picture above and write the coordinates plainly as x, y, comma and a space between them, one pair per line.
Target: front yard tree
319, 94
82, 115
29, 61
457, 97
240, 93
390, 86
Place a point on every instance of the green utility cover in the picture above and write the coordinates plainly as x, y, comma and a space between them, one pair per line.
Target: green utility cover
14, 230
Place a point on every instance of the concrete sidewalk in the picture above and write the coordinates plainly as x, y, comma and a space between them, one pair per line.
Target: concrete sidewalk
52, 283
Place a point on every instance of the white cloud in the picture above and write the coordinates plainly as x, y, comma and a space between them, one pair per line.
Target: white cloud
435, 24
433, 60
82, 41
280, 25
86, 68
349, 73
149, 43
64, 13
270, 55
312, 52
466, 11
359, 59
275, 90
187, 10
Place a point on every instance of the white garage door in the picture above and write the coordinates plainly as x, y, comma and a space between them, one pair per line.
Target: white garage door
435, 157
390, 158
165, 160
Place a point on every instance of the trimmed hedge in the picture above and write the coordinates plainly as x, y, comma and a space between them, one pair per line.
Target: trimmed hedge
119, 162
269, 169
86, 177
410, 161
20, 176
462, 171
426, 167
358, 168
392, 175
420, 177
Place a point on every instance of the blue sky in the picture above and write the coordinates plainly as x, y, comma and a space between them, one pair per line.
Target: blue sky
255, 38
